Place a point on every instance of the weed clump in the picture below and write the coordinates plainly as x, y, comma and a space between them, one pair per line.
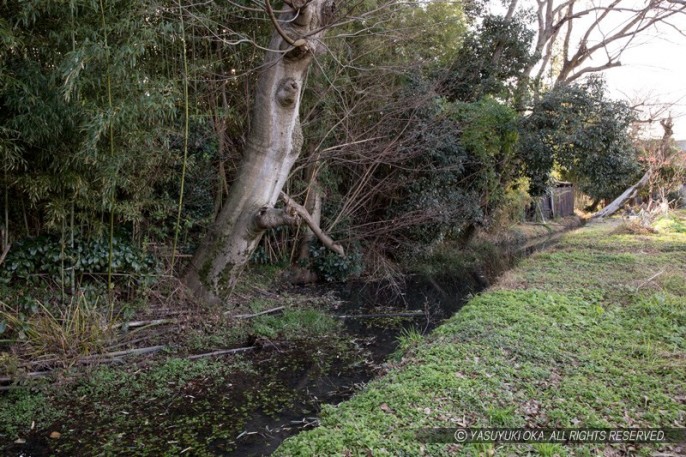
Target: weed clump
79, 329
633, 228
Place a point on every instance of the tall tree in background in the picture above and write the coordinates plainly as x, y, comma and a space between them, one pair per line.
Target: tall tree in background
491, 61
574, 38
576, 130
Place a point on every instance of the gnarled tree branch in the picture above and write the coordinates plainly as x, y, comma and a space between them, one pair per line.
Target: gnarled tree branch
296, 43
268, 218
319, 233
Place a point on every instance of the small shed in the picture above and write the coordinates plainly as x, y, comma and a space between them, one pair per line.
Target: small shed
559, 201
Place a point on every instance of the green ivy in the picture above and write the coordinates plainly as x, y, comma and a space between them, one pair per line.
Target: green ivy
331, 266
34, 260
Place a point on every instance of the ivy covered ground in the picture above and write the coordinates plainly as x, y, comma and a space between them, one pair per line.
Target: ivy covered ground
590, 333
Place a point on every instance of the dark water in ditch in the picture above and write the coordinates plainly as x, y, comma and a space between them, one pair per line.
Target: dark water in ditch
421, 304
432, 300
250, 411
284, 391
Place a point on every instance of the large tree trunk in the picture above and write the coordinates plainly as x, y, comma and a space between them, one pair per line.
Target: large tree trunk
272, 147
618, 202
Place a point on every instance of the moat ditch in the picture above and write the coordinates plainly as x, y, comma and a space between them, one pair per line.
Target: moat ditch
246, 405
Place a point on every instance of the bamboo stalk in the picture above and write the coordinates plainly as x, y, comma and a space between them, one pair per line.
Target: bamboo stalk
144, 323
6, 232
110, 104
185, 137
5, 252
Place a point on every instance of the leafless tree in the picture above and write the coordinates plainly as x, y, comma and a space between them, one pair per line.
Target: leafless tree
575, 38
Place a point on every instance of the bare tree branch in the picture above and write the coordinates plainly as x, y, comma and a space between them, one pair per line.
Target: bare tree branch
319, 233
615, 25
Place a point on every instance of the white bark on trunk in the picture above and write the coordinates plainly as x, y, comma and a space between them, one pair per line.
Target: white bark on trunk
272, 148
618, 202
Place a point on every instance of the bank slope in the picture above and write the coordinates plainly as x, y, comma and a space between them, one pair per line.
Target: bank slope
590, 333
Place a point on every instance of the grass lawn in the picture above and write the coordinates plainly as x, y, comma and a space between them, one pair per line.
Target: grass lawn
590, 333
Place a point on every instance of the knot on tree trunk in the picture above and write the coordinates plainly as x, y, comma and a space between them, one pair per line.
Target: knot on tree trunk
268, 218
287, 92
300, 51
306, 17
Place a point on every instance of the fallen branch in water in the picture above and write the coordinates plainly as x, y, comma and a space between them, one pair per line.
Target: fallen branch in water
230, 351
381, 315
136, 340
10, 387
116, 357
261, 313
32, 375
126, 352
106, 358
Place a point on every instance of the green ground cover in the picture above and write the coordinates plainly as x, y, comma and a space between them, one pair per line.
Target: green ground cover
590, 333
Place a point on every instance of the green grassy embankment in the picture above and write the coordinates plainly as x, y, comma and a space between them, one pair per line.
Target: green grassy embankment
590, 333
